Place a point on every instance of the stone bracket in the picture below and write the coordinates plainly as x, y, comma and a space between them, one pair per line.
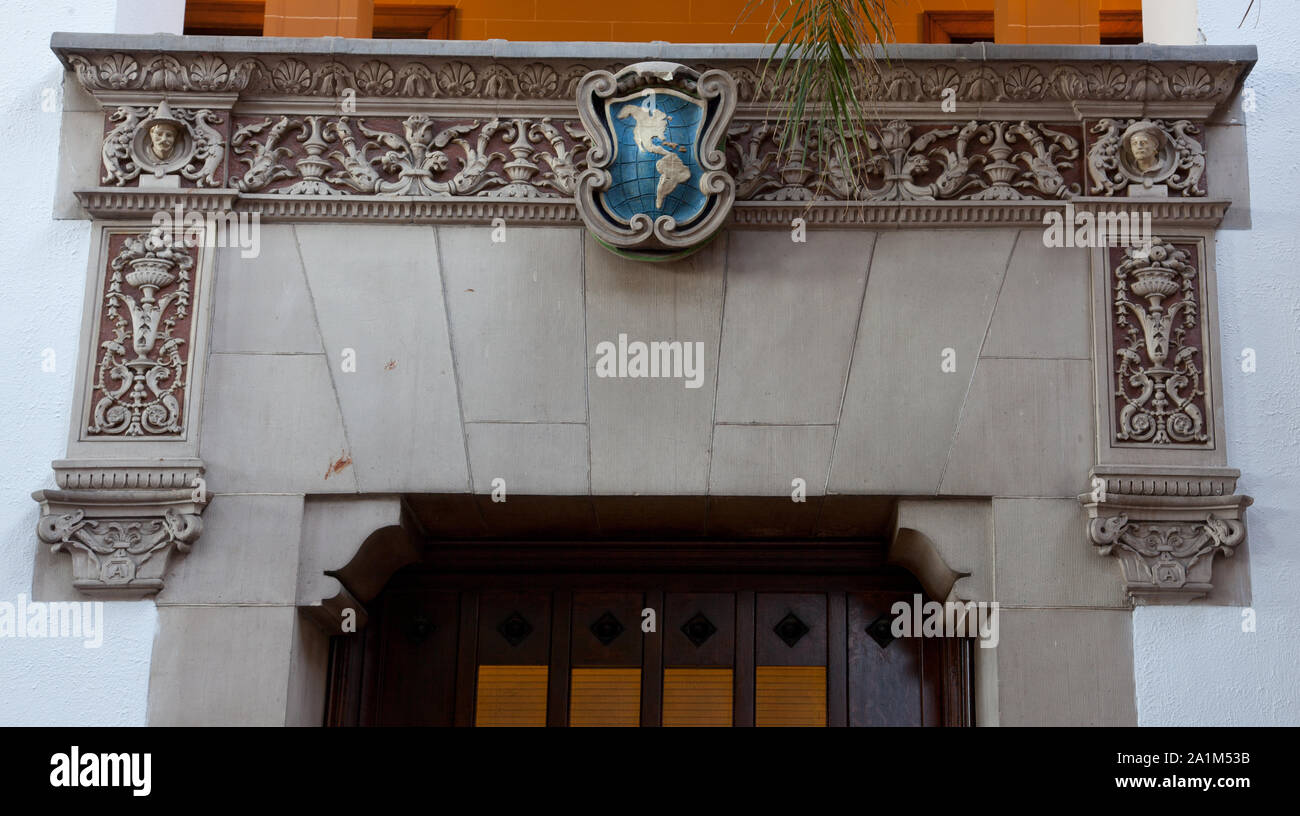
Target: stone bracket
1165, 525
121, 520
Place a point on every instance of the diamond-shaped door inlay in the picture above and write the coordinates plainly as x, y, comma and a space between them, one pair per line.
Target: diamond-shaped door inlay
698, 629
790, 629
606, 628
881, 630
515, 629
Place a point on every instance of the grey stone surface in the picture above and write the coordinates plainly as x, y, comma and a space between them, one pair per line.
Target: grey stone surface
271, 425
308, 674
262, 304
1026, 430
333, 530
221, 665
1227, 172
517, 322
1044, 558
1069, 667
985, 670
762, 460
379, 294
652, 435
532, 458
959, 534
1043, 308
52, 573
248, 553
790, 318
927, 291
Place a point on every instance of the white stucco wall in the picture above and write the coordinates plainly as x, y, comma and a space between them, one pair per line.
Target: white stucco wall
1195, 665
42, 278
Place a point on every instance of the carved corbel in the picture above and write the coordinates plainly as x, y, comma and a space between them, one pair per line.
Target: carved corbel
121, 521
1165, 525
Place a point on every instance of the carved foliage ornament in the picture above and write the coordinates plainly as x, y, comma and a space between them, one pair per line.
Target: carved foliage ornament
158, 143
139, 383
415, 156
977, 161
656, 176
1161, 560
119, 553
1157, 341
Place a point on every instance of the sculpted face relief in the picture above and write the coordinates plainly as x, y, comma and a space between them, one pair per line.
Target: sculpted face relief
1145, 147
162, 140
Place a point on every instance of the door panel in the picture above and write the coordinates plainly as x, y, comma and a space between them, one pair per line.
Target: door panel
884, 681
564, 649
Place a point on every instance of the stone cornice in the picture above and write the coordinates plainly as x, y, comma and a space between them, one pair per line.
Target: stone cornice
501, 73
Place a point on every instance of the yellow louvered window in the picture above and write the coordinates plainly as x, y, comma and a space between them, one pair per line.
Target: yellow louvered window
697, 697
605, 697
511, 696
790, 696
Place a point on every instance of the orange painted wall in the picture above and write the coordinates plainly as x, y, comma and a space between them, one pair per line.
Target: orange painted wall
683, 21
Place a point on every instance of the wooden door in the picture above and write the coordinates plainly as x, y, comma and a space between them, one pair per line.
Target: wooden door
622, 649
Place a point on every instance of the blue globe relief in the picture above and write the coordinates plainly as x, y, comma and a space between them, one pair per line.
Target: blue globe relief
636, 173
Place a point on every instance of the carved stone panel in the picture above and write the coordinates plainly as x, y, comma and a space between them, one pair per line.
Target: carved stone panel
417, 155
1145, 157
143, 347
161, 147
1158, 346
911, 161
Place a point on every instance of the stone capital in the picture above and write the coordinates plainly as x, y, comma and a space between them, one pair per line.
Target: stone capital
121, 520
1165, 525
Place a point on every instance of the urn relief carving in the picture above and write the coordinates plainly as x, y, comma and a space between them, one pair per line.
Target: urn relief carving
1159, 346
141, 378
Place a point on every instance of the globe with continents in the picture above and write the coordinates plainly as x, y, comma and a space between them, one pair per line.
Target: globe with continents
655, 169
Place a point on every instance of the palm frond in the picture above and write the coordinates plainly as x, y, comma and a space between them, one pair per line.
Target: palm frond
821, 64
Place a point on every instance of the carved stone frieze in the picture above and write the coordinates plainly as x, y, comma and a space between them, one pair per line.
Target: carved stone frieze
977, 161
415, 156
122, 521
1165, 526
1146, 157
140, 380
160, 145
1157, 343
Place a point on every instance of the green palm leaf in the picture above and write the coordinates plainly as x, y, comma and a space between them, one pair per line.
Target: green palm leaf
821, 66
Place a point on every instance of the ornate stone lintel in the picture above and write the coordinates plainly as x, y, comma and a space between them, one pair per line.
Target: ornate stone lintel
1165, 525
120, 521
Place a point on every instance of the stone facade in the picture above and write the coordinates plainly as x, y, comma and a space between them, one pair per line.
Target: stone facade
425, 311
